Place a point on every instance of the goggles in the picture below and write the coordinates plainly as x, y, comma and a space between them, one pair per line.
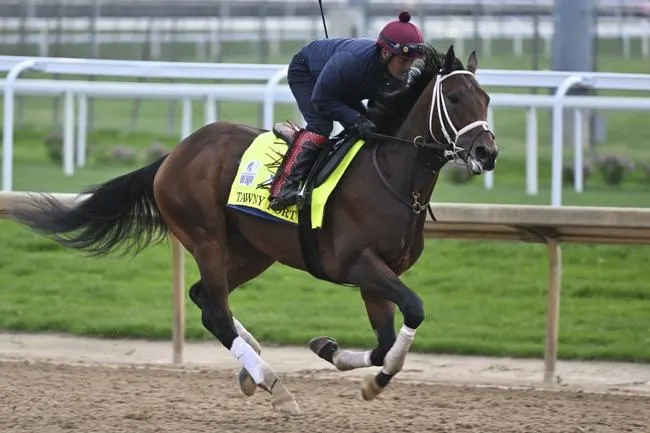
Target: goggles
407, 50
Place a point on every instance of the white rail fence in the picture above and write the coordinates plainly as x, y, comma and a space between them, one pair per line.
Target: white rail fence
269, 91
116, 68
208, 33
547, 225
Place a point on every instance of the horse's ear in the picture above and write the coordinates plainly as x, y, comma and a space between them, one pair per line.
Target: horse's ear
472, 62
450, 59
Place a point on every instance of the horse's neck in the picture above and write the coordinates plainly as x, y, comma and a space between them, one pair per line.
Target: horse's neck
406, 168
411, 169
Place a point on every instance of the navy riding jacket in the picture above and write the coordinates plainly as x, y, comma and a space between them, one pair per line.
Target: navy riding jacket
347, 71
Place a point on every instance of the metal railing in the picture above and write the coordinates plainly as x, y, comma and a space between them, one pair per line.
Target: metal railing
270, 91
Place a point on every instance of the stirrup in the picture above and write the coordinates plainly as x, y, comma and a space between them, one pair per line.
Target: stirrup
301, 197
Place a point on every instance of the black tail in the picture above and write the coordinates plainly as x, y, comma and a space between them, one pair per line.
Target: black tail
120, 212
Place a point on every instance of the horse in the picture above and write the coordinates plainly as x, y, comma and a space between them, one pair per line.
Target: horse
438, 115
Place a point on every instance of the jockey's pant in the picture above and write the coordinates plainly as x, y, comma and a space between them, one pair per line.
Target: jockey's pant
302, 85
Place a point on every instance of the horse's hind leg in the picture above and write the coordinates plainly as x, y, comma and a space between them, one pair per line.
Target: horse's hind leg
245, 263
381, 313
246, 382
204, 235
217, 318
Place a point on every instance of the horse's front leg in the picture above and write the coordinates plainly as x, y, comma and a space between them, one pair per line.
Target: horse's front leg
379, 282
381, 314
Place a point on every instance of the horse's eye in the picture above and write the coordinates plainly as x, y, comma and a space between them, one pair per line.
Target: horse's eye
453, 99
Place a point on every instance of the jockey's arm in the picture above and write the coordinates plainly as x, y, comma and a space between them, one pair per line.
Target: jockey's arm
340, 74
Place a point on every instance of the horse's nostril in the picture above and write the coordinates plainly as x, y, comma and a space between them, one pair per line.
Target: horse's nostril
481, 153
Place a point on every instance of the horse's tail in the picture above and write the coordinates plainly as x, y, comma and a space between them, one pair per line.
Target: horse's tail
119, 212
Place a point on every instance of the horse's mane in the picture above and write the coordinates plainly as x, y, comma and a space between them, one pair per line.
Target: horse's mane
389, 110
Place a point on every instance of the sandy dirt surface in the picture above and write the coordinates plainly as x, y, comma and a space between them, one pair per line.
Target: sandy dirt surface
54, 383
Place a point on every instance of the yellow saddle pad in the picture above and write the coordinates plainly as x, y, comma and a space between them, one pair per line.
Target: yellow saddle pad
254, 169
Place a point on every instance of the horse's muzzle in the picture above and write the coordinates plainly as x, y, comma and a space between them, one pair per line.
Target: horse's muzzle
486, 155
484, 152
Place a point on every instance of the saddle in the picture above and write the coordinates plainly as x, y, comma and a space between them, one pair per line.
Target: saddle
326, 162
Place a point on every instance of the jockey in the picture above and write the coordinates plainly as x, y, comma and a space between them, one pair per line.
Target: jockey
329, 78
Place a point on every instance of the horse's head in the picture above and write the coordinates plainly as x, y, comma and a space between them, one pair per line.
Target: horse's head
457, 114
442, 102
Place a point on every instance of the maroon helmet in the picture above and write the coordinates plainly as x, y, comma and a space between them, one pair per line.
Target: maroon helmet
402, 38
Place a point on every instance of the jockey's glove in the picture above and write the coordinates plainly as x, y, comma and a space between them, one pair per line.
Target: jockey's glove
362, 126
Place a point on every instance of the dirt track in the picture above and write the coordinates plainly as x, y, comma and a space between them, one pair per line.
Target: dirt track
61, 384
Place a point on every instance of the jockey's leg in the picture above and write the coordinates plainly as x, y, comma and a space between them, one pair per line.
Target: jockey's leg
294, 167
307, 143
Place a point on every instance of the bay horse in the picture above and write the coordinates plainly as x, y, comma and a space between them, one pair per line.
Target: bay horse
372, 230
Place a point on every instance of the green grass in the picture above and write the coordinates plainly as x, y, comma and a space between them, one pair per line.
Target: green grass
480, 297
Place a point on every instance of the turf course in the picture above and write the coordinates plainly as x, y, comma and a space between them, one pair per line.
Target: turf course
480, 297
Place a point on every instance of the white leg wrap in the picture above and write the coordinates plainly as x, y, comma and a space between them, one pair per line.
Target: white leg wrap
349, 360
394, 360
250, 360
247, 336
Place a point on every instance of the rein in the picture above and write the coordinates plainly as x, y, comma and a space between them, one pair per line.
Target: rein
448, 146
415, 206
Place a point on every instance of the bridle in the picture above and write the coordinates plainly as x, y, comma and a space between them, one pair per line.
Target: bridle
448, 146
437, 98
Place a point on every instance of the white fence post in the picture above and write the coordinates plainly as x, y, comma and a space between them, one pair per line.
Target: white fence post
532, 185
68, 134
82, 129
577, 150
186, 123
558, 123
210, 110
269, 100
8, 123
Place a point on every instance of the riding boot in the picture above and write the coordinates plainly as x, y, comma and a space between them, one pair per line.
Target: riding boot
294, 167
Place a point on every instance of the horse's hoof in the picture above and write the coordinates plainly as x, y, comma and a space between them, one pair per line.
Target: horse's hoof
246, 382
324, 347
369, 388
283, 401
